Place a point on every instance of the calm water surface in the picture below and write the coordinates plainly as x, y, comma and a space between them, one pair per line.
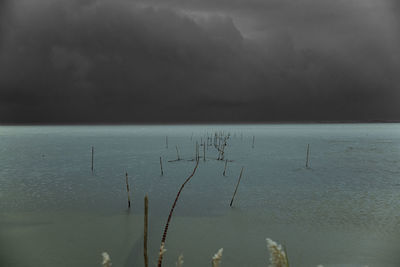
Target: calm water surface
343, 211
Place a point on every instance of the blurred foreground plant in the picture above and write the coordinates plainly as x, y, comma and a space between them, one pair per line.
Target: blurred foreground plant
278, 257
106, 260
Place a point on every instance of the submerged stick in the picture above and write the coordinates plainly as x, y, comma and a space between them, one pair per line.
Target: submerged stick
253, 141
145, 230
162, 172
164, 236
237, 185
308, 156
127, 189
166, 142
226, 162
92, 158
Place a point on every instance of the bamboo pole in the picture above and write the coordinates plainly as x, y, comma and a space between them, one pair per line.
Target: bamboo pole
197, 151
237, 185
162, 172
164, 236
177, 152
145, 230
204, 151
92, 159
308, 156
127, 189
226, 162
223, 150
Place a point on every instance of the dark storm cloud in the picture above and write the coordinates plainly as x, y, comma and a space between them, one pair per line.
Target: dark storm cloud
159, 61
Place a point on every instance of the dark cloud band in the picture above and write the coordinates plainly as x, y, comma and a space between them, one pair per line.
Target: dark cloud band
118, 61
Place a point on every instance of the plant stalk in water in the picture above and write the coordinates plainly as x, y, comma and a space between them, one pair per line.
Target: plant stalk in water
237, 185
127, 189
92, 159
308, 156
164, 236
162, 171
226, 162
145, 230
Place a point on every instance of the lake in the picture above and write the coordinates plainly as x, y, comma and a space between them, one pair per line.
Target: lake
344, 210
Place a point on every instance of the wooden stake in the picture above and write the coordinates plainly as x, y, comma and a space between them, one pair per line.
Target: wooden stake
162, 172
223, 150
226, 162
92, 158
177, 153
127, 189
145, 230
237, 185
164, 236
204, 151
308, 156
197, 151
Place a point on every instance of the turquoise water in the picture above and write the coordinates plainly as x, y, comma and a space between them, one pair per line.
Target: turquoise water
343, 211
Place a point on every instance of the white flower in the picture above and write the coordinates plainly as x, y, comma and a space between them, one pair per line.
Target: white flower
217, 258
106, 259
162, 249
278, 257
180, 261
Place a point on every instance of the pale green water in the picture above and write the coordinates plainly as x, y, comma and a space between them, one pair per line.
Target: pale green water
344, 211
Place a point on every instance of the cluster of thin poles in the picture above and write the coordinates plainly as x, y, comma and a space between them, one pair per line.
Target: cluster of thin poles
219, 142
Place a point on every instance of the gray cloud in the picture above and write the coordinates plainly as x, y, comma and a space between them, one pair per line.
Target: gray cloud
171, 61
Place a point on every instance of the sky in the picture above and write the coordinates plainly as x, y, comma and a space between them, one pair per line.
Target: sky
199, 61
